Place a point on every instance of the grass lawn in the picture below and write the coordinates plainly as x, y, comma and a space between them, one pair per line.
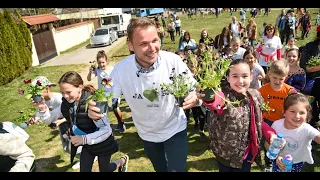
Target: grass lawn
46, 143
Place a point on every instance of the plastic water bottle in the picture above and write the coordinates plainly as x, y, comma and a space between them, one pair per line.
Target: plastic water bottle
274, 147
288, 161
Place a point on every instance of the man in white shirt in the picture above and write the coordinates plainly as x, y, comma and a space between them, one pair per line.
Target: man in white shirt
235, 27
159, 122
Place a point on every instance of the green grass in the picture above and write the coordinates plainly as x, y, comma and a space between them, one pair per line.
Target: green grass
15, 104
46, 143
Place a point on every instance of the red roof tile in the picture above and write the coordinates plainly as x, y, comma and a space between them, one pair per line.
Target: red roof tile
40, 19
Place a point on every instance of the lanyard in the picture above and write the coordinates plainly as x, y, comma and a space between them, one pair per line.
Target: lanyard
74, 112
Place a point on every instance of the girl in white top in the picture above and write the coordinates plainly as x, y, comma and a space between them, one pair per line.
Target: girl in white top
103, 71
257, 71
270, 47
177, 23
296, 131
290, 45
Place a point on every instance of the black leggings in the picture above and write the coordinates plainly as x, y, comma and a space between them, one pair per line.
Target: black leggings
315, 104
198, 116
86, 161
172, 36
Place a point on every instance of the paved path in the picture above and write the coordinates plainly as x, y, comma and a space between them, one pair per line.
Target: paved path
82, 56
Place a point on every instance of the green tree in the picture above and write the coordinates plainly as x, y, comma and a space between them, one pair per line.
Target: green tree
35, 11
27, 38
3, 63
3, 59
19, 43
6, 66
12, 48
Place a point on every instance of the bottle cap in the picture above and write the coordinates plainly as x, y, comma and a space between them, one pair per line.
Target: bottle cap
280, 135
288, 157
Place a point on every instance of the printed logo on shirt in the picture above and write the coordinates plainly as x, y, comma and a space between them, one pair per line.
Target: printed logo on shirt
137, 96
275, 97
291, 144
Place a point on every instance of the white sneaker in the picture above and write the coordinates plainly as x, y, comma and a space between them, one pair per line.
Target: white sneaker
124, 167
76, 165
268, 169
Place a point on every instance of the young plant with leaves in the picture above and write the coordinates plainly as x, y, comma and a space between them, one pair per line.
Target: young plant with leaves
93, 64
211, 72
210, 75
34, 89
265, 107
314, 61
100, 96
180, 86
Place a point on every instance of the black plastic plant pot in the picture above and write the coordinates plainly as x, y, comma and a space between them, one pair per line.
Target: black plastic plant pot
36, 98
103, 106
180, 100
208, 94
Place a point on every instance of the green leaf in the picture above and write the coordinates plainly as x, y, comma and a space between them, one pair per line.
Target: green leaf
110, 102
151, 95
87, 103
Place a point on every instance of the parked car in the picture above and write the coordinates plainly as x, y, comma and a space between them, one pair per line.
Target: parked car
103, 36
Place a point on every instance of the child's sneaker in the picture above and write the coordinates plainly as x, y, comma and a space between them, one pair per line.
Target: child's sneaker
122, 128
76, 165
268, 168
124, 167
202, 134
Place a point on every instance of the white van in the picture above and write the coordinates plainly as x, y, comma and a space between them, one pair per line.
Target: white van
120, 21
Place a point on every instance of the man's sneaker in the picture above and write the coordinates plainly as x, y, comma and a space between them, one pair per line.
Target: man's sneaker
76, 165
124, 167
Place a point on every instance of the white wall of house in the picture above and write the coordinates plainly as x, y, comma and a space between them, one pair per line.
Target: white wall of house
35, 59
72, 36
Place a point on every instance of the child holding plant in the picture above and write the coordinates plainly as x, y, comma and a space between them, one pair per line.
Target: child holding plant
103, 71
236, 129
310, 62
95, 136
53, 100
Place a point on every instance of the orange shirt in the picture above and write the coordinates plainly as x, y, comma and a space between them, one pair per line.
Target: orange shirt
275, 99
